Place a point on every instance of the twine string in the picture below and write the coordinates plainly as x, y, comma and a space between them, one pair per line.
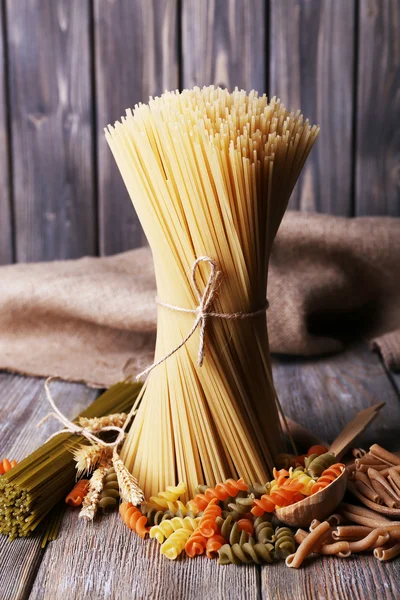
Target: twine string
71, 427
201, 312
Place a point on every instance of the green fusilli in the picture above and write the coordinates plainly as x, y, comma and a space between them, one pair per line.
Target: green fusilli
110, 492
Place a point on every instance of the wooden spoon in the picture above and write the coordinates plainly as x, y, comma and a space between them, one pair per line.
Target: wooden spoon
317, 506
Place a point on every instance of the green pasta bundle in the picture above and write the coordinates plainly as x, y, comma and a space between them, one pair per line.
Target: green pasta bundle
32, 488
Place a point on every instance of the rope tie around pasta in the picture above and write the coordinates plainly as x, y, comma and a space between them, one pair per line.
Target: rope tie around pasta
201, 312
71, 427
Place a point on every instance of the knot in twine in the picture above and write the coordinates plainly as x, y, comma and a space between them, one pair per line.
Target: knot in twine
71, 427
201, 312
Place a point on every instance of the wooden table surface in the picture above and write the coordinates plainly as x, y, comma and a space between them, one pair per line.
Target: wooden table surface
105, 560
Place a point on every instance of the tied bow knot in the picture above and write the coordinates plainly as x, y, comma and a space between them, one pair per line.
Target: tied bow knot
201, 312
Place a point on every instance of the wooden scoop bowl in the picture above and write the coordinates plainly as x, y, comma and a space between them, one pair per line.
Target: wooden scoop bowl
317, 506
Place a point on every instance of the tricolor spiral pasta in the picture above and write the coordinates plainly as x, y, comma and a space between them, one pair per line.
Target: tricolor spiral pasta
207, 524
175, 544
320, 463
196, 544
220, 492
110, 493
249, 552
328, 476
133, 518
263, 530
307, 482
78, 493
166, 528
284, 542
241, 506
167, 499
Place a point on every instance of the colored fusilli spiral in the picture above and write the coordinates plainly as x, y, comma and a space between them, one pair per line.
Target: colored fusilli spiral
328, 476
263, 530
221, 492
166, 528
241, 506
278, 497
167, 499
214, 543
6, 465
175, 544
78, 493
110, 493
207, 524
196, 544
284, 542
133, 518
307, 483
249, 552
320, 463
154, 516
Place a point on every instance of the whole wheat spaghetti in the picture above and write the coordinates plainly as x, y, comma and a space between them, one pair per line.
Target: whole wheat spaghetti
210, 174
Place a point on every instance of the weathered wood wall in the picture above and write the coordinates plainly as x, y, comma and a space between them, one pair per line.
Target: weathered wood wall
68, 67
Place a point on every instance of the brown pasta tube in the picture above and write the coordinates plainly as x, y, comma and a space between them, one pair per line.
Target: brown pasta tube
394, 532
371, 460
335, 520
365, 512
387, 553
341, 549
386, 497
368, 492
307, 546
358, 452
384, 455
394, 476
395, 488
375, 475
368, 541
360, 476
364, 468
300, 535
350, 532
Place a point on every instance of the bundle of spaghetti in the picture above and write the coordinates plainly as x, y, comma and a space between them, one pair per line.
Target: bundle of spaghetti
34, 486
210, 174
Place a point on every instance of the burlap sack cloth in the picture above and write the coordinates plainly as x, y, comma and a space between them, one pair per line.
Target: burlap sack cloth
94, 319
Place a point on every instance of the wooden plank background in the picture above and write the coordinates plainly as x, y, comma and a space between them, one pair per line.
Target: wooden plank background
69, 67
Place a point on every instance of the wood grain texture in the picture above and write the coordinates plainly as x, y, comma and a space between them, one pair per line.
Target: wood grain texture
6, 249
378, 109
22, 406
224, 43
331, 578
106, 560
51, 117
136, 46
311, 67
325, 394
